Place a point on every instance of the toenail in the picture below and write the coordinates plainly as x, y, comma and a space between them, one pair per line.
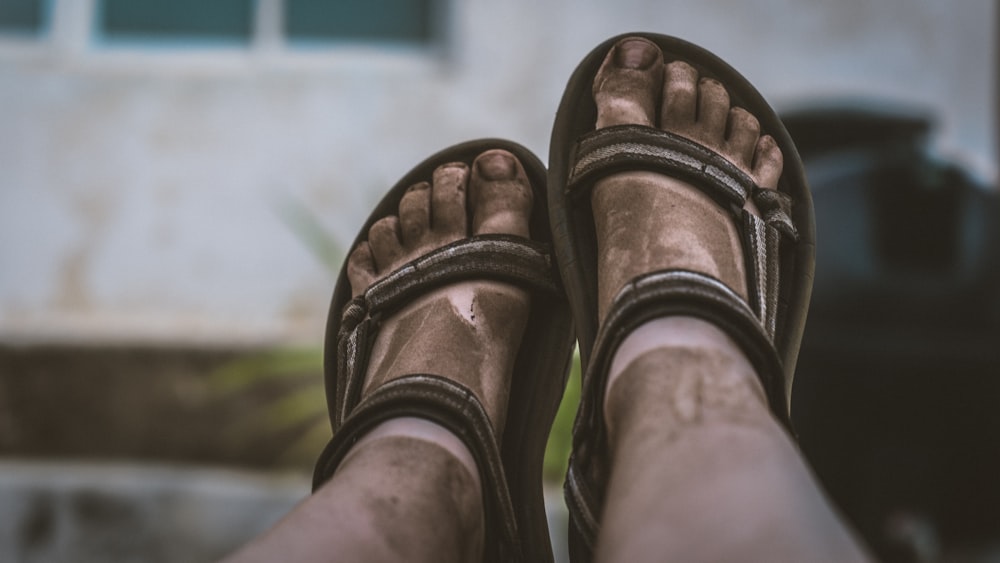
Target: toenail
497, 166
636, 53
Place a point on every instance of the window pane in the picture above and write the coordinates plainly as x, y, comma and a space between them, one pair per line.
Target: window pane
226, 20
21, 15
364, 20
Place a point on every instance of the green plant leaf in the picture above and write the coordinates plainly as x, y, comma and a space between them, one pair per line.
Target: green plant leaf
295, 408
243, 373
560, 442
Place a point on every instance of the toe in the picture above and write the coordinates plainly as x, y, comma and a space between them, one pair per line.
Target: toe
741, 142
627, 86
383, 237
500, 195
680, 97
448, 211
415, 214
713, 112
361, 269
767, 163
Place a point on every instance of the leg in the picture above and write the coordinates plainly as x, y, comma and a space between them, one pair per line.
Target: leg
699, 468
410, 489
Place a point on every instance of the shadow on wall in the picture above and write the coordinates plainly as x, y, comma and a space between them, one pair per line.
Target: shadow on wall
895, 395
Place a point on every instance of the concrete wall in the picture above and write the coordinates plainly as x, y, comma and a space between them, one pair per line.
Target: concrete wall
145, 194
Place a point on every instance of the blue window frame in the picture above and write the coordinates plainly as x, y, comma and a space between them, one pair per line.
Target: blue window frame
24, 17
398, 21
177, 21
231, 22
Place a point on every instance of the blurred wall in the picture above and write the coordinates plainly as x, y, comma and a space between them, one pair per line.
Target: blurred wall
160, 194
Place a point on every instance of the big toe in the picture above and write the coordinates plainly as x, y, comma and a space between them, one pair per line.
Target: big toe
500, 195
628, 85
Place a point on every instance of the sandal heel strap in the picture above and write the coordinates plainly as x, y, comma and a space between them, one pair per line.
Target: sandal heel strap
457, 409
683, 292
637, 147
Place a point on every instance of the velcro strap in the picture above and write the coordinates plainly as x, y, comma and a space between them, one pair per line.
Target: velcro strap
456, 408
636, 147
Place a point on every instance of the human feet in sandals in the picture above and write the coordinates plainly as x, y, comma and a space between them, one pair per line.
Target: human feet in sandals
448, 344
447, 326
683, 229
679, 452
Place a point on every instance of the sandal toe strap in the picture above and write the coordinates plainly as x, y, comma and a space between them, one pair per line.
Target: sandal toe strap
637, 147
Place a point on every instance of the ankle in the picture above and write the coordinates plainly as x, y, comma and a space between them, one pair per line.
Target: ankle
408, 489
425, 431
677, 332
677, 370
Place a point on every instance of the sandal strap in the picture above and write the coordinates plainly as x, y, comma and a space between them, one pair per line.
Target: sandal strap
497, 257
761, 249
676, 292
503, 258
622, 148
456, 408
638, 147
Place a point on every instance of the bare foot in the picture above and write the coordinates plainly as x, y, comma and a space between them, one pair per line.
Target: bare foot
647, 221
470, 331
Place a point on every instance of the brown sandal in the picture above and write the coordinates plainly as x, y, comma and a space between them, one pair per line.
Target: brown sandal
778, 248
516, 527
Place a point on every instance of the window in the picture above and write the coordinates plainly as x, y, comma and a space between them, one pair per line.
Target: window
199, 21
296, 22
405, 21
23, 17
196, 35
